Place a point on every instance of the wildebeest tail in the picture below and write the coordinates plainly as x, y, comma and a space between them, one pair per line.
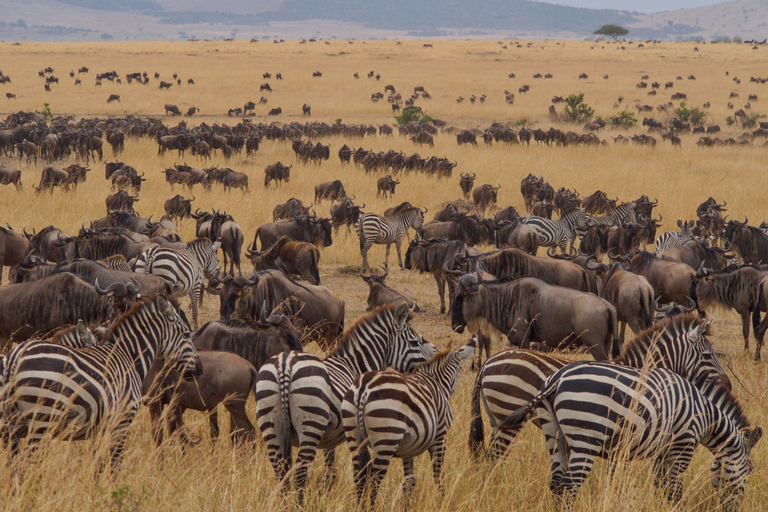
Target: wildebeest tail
237, 250
316, 266
476, 432
613, 332
646, 303
756, 315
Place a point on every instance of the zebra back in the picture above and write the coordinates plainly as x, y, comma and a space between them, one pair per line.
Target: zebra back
625, 212
76, 336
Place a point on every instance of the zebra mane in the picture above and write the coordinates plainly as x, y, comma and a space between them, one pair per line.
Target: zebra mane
727, 402
644, 340
197, 241
62, 333
436, 361
139, 305
349, 332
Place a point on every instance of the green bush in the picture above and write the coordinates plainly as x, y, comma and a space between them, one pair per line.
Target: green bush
695, 116
624, 119
412, 114
750, 121
45, 112
576, 111
338, 121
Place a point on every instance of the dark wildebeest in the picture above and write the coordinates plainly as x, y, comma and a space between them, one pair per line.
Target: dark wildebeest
379, 294
433, 256
466, 184
14, 247
448, 212
345, 213
290, 209
276, 172
733, 287
121, 200
530, 309
466, 137
123, 181
598, 203
630, 294
306, 110
172, 110
178, 208
275, 111
386, 185
331, 190
113, 97
671, 281
10, 176
56, 300
265, 87
485, 195
68, 177
470, 229
290, 257
191, 111
345, 154
303, 229
693, 253
166, 85
231, 353
749, 242
517, 235
314, 310
542, 209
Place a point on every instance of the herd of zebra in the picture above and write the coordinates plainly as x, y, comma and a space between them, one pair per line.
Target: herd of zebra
663, 393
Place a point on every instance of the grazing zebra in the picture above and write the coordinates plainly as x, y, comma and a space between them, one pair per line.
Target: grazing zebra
374, 229
401, 415
300, 395
77, 393
603, 410
184, 269
675, 238
511, 378
623, 213
558, 232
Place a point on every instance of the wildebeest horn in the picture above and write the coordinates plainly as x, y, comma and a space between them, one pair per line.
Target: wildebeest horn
693, 305
613, 256
702, 271
654, 202
553, 253
133, 286
363, 206
591, 258
474, 175
110, 288
746, 221
425, 210
497, 188
721, 205
660, 217
24, 230
193, 198
479, 275
386, 271
666, 309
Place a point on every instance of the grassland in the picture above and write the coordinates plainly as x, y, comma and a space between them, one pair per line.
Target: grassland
227, 74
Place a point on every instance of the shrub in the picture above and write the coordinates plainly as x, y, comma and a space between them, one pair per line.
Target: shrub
45, 112
412, 114
576, 111
624, 119
695, 116
750, 121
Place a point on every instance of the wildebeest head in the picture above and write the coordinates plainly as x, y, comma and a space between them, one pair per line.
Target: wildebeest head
120, 296
321, 230
229, 290
672, 309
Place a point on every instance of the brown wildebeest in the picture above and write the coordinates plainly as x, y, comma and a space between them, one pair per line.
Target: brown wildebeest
379, 294
386, 185
542, 209
485, 195
113, 97
290, 257
306, 110
178, 208
749, 242
171, 109
466, 184
9, 176
671, 281
470, 229
290, 209
530, 309
121, 200
276, 172
331, 190
433, 256
14, 247
345, 213
304, 228
598, 203
275, 111
517, 235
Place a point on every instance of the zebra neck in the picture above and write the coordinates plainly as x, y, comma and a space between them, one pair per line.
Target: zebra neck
438, 381
719, 431
130, 338
357, 356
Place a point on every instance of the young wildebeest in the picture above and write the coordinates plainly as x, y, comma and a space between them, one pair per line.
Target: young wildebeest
380, 294
290, 257
331, 190
466, 184
485, 195
178, 208
386, 185
231, 353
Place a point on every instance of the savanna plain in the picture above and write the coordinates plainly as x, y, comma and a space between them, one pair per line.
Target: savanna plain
208, 476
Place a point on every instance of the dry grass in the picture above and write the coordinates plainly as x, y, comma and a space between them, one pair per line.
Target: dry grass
210, 477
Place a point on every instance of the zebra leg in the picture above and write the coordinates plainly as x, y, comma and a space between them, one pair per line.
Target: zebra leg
329, 478
579, 467
364, 250
409, 479
398, 243
195, 296
386, 257
382, 456
501, 441
437, 451
558, 451
119, 436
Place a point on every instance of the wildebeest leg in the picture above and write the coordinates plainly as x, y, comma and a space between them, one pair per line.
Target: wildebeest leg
441, 291
176, 420
213, 420
240, 427
399, 258
329, 478
225, 263
745, 327
155, 415
621, 331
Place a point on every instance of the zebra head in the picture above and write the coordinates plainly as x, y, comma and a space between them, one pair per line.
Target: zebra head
445, 366
732, 465
206, 253
702, 366
175, 345
406, 348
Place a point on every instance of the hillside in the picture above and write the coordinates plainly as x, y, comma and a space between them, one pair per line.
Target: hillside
61, 20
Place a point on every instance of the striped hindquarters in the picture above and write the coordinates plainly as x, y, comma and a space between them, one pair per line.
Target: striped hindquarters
177, 267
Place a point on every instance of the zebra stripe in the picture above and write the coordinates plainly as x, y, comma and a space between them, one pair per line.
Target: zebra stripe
374, 229
602, 409
76, 393
558, 232
671, 239
401, 415
184, 269
511, 378
623, 213
302, 394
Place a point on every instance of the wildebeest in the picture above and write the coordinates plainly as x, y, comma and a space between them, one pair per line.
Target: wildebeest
290, 209
466, 137
598, 203
113, 97
530, 309
379, 294
276, 172
693, 253
304, 228
121, 200
13, 248
330, 190
542, 209
265, 87
166, 85
470, 229
345, 213
306, 110
9, 176
749, 242
466, 184
386, 185
171, 109
275, 111
671, 281
485, 195
178, 208
68, 177
228, 178
191, 111
290, 257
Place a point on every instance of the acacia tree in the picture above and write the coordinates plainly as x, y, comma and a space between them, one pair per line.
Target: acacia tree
613, 31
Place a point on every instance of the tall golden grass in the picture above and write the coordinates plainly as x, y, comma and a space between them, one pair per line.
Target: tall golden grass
65, 476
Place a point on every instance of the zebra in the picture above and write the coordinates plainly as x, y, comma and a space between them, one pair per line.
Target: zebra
675, 238
558, 232
300, 394
401, 415
510, 378
597, 409
618, 216
77, 393
184, 269
374, 229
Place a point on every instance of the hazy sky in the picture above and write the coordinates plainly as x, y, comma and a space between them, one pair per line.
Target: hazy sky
646, 6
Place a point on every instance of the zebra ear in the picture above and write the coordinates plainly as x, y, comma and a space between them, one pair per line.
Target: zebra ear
401, 315
165, 307
82, 330
465, 352
216, 245
753, 436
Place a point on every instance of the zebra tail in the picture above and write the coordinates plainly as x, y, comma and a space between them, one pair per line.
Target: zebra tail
364, 456
362, 236
517, 418
476, 432
284, 422
756, 315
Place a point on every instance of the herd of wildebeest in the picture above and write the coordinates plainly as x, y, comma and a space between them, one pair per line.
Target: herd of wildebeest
75, 297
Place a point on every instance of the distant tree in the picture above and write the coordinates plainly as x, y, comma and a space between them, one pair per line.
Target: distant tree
613, 31
106, 37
